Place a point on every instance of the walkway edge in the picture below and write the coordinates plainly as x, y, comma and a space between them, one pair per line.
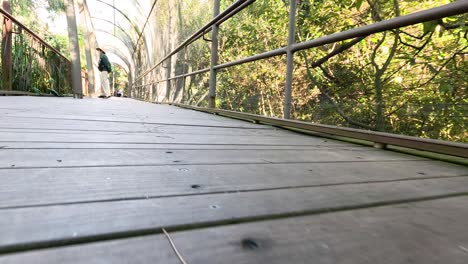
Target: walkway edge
432, 145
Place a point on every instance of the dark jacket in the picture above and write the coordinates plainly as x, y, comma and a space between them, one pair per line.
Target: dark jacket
104, 64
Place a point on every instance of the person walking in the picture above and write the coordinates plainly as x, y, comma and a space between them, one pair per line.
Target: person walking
105, 68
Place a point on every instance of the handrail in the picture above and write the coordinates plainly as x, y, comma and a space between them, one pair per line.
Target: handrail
175, 77
433, 14
432, 145
9, 16
451, 9
229, 12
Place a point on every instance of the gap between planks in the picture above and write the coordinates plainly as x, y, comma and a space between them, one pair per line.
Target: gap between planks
149, 197
17, 248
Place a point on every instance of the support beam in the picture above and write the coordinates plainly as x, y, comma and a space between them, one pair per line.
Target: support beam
290, 60
74, 49
89, 47
214, 56
7, 61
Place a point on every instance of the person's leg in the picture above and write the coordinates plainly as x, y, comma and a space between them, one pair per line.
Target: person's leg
102, 75
105, 83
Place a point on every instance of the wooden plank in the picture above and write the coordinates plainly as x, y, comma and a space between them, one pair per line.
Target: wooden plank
426, 232
52, 186
164, 138
159, 251
61, 206
103, 113
111, 157
175, 146
114, 110
147, 130
156, 131
210, 120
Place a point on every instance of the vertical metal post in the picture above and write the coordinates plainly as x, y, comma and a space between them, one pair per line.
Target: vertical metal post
113, 71
290, 60
74, 49
214, 56
88, 47
91, 40
168, 76
7, 58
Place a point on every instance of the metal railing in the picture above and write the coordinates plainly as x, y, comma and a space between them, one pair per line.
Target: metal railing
434, 14
29, 64
380, 139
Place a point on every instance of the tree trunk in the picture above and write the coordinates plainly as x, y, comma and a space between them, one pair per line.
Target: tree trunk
74, 48
380, 126
7, 65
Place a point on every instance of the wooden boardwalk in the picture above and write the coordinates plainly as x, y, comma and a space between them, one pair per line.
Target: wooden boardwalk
96, 181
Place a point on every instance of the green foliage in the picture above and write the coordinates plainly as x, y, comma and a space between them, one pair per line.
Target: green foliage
60, 42
120, 79
22, 8
421, 78
36, 68
56, 5
410, 81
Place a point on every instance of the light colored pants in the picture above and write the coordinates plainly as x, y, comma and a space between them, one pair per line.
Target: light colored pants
105, 89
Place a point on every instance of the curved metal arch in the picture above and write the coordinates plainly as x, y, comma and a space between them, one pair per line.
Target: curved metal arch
130, 21
110, 46
134, 27
118, 26
146, 22
119, 60
116, 37
123, 54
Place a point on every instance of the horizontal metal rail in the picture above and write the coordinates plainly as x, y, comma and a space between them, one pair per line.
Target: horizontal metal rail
226, 17
431, 145
9, 16
455, 8
226, 14
175, 77
23, 93
144, 25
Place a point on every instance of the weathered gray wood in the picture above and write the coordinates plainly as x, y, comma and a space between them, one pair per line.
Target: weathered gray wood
151, 131
98, 157
56, 223
426, 232
62, 190
167, 146
28, 187
157, 251
110, 110
165, 138
172, 131
158, 121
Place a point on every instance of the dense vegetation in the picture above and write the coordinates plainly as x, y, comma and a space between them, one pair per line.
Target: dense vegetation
36, 68
409, 81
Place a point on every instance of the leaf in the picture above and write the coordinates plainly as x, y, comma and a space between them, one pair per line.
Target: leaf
359, 4
432, 69
446, 88
429, 26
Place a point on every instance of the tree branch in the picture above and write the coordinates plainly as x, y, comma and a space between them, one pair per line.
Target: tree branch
337, 51
330, 98
374, 52
450, 26
443, 66
414, 56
